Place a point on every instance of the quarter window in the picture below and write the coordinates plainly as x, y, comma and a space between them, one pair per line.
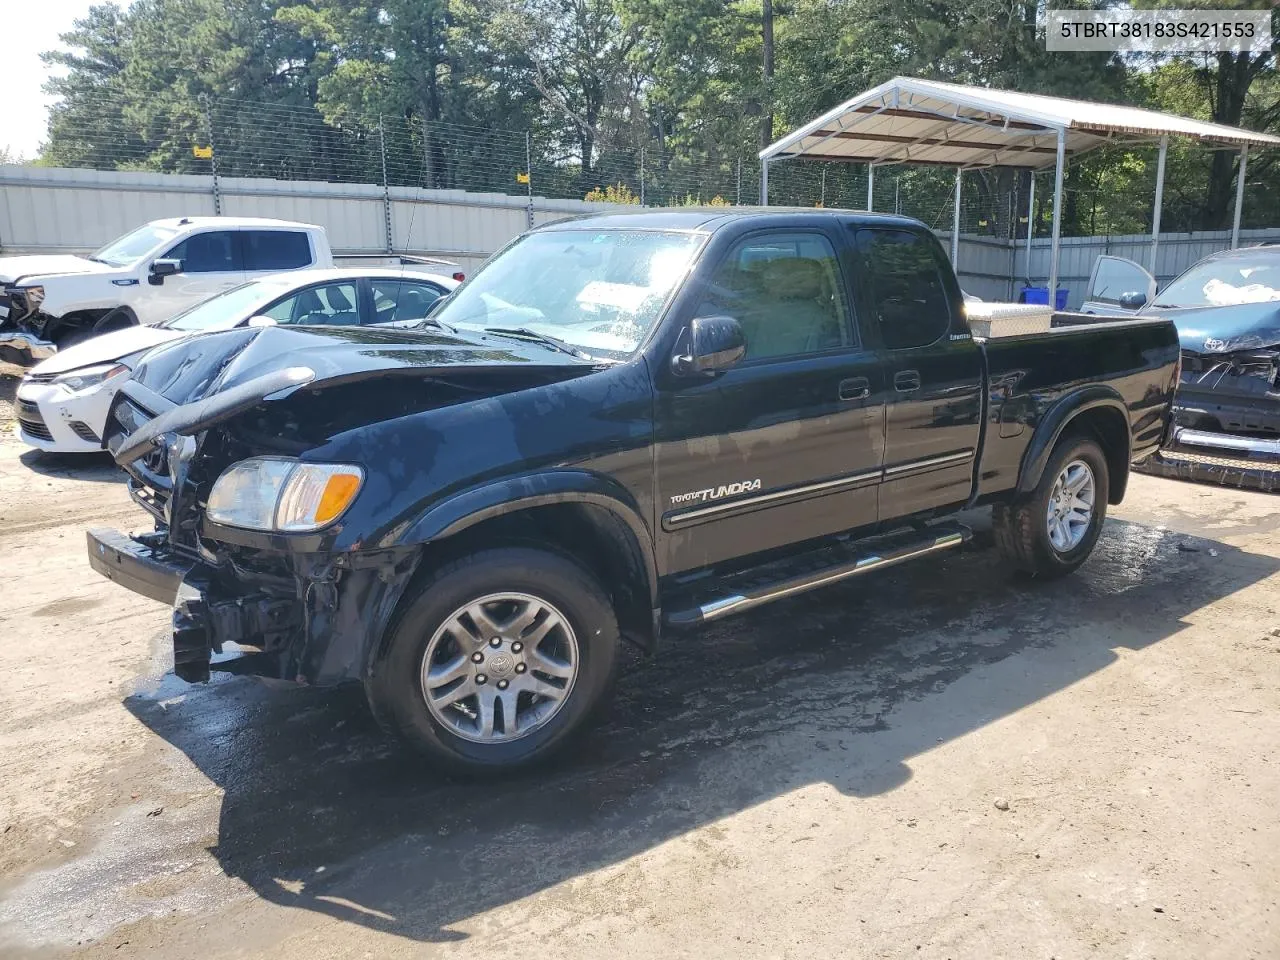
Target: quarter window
784, 289
403, 299
909, 299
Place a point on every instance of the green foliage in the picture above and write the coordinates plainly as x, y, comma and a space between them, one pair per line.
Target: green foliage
613, 193
689, 200
671, 92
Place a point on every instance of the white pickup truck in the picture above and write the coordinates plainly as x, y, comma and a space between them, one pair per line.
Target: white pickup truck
146, 276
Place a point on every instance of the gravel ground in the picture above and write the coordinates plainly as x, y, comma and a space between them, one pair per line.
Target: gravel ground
938, 761
8, 387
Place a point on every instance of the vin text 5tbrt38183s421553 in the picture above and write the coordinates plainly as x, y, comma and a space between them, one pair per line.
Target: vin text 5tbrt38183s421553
622, 425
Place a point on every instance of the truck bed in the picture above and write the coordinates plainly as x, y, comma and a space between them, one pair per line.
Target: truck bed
1027, 373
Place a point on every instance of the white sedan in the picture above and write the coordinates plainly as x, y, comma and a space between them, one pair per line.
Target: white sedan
63, 402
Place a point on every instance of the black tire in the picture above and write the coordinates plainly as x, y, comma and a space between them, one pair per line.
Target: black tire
395, 687
117, 319
1021, 528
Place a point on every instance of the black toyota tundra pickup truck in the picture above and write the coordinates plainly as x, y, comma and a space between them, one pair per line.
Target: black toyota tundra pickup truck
623, 425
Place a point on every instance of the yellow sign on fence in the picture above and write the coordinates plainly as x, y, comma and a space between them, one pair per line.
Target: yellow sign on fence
522, 178
202, 153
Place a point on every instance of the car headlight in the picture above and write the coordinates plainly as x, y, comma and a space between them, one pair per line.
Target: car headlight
86, 377
274, 493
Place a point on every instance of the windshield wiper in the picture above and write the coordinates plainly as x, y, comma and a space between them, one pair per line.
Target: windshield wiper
524, 333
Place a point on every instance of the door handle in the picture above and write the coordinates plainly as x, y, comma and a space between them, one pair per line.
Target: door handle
905, 381
855, 388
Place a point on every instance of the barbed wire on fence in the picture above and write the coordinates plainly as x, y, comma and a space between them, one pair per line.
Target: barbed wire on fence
230, 137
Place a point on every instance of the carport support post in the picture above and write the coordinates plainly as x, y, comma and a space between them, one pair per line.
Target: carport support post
1031, 222
1235, 224
1058, 166
764, 182
1155, 214
955, 224
871, 186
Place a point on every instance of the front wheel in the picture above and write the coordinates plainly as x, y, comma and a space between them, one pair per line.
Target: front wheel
1053, 531
497, 661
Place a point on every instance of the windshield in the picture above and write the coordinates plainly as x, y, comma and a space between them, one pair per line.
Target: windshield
132, 247
598, 290
229, 308
1231, 280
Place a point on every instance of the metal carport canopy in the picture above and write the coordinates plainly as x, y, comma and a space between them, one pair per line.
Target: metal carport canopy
925, 121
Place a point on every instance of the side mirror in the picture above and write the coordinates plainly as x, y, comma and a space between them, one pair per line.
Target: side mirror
711, 345
261, 321
161, 269
1133, 300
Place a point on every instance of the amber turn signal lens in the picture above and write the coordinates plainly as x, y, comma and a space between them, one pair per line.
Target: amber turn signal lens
338, 494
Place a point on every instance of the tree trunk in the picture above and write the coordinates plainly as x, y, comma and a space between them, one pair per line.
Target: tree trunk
587, 145
431, 106
766, 119
1230, 84
995, 186
1071, 184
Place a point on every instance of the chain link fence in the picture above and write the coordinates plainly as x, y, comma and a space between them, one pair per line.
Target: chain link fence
227, 137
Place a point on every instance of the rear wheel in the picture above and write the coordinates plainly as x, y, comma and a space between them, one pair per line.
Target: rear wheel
1052, 532
497, 661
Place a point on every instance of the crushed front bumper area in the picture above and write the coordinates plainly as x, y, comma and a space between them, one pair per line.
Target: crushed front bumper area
1227, 421
205, 620
135, 565
313, 618
1249, 463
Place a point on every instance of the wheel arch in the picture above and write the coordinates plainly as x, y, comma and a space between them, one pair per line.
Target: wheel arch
116, 318
73, 322
1097, 411
585, 516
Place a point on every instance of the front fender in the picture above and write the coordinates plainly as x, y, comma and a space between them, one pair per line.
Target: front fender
78, 292
521, 492
1056, 419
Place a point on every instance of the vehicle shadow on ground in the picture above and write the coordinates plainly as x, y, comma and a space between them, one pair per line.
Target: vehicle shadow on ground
93, 467
843, 686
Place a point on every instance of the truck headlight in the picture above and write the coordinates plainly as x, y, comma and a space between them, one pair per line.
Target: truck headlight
275, 493
86, 377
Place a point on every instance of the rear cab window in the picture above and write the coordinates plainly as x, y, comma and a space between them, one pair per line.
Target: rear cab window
904, 285
266, 250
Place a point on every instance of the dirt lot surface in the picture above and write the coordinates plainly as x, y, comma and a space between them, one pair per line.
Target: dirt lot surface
826, 777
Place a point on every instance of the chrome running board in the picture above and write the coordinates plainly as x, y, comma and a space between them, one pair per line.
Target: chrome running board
858, 559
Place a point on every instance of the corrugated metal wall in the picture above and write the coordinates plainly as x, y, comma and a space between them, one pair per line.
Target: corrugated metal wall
61, 210
44, 210
985, 266
1176, 252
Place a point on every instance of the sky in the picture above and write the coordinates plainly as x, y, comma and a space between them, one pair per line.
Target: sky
30, 28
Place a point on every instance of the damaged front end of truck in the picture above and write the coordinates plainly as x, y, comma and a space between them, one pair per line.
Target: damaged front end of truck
299, 581
1227, 410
